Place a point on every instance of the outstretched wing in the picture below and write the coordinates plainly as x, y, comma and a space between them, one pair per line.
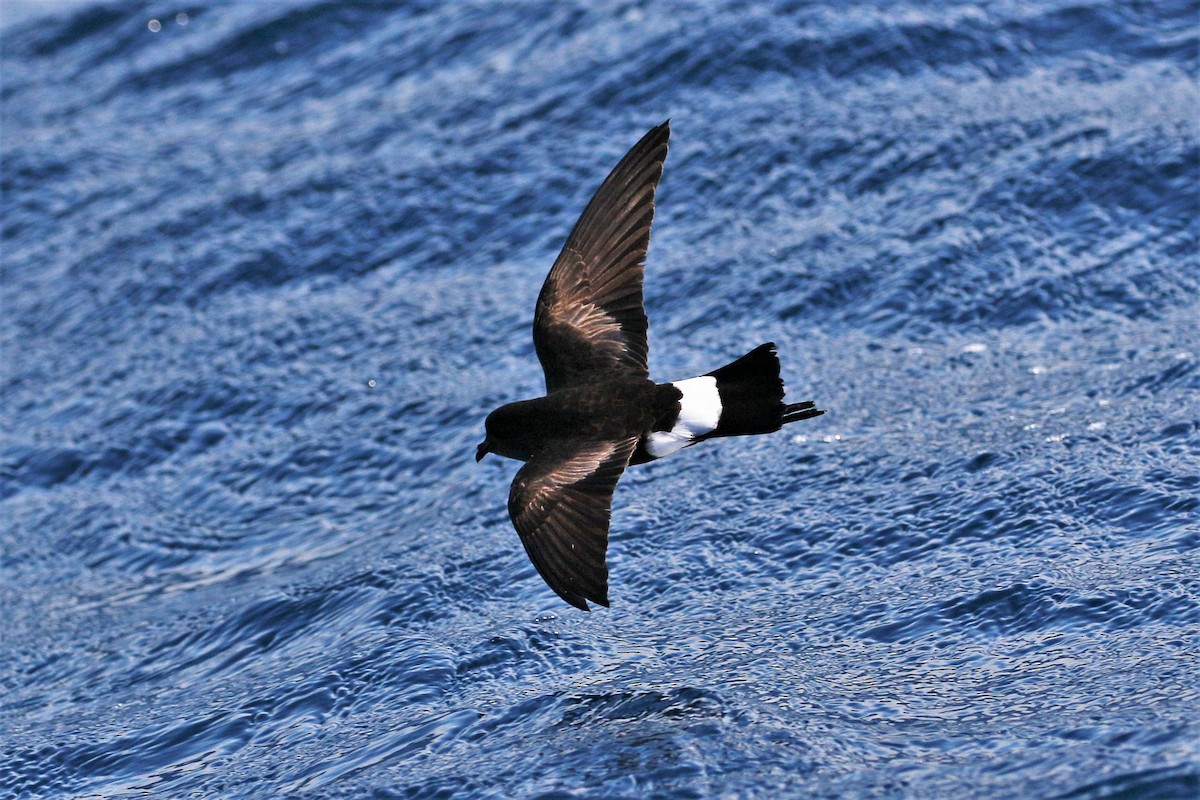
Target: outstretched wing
560, 503
590, 318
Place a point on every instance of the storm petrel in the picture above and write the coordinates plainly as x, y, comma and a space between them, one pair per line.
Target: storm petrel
601, 412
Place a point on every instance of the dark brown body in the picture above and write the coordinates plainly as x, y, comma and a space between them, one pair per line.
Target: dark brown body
599, 411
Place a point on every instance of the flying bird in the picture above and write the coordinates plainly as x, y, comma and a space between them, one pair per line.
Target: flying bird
601, 412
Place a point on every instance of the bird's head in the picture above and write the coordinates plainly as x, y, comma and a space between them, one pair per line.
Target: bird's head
505, 427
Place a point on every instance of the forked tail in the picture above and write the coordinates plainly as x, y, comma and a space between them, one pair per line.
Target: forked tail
738, 399
751, 394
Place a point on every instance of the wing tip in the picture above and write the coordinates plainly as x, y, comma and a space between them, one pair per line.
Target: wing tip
581, 601
660, 134
576, 601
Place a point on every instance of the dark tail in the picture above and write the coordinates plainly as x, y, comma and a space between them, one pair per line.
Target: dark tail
751, 394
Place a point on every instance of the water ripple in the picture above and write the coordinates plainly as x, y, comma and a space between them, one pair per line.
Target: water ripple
266, 267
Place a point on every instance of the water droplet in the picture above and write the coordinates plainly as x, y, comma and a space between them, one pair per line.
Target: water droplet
181, 18
371, 384
154, 25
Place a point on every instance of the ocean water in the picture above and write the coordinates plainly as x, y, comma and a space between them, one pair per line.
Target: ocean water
267, 266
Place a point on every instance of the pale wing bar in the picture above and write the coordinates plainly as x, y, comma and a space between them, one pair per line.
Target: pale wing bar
590, 317
560, 503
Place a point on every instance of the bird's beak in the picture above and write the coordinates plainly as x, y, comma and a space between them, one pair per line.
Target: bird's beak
485, 447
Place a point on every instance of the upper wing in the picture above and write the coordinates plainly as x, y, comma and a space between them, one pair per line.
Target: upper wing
589, 315
560, 503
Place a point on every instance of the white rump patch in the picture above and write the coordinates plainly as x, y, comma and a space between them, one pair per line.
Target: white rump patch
699, 413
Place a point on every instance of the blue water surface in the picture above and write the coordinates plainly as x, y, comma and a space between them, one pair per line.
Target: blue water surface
267, 266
